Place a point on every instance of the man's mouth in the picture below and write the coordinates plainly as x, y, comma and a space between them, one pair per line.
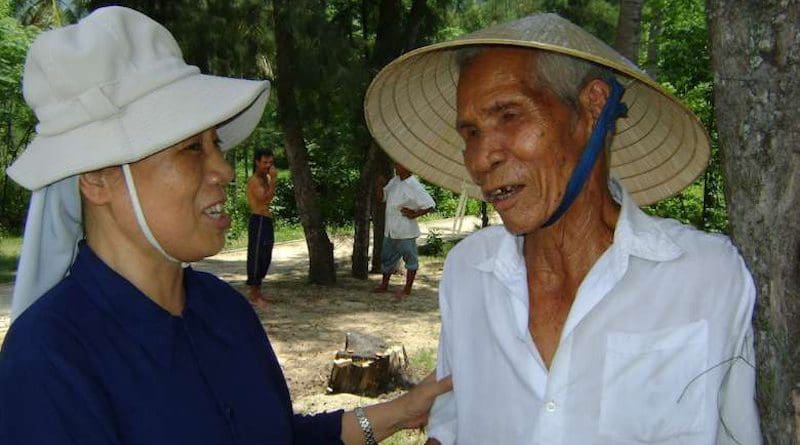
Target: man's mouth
501, 193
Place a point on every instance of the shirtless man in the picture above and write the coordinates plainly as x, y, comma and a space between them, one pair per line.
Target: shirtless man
260, 230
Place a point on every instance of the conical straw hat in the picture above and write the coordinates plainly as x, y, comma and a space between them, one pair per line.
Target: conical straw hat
658, 149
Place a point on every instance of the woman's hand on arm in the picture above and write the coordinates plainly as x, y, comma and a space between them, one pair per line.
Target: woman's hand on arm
405, 412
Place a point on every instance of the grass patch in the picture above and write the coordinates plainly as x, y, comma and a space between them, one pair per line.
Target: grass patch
9, 256
437, 246
424, 360
406, 437
286, 232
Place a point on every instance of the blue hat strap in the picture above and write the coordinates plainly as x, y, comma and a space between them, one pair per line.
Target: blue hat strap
608, 117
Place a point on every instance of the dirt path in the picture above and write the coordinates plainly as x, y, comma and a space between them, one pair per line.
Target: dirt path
307, 324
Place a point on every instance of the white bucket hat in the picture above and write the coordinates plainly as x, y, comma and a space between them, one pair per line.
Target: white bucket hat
410, 107
110, 90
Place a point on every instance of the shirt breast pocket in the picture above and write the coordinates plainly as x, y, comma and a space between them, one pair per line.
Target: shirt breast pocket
653, 384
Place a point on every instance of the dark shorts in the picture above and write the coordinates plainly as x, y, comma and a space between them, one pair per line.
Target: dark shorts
260, 239
394, 249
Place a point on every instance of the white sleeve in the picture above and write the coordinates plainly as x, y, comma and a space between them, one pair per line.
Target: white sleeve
421, 196
388, 188
442, 419
737, 406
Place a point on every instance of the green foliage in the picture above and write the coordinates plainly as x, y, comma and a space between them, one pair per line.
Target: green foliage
16, 119
335, 57
424, 360
681, 42
10, 246
434, 244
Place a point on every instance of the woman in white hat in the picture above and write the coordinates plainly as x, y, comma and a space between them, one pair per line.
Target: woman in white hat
114, 339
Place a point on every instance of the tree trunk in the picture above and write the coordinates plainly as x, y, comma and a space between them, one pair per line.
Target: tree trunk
387, 46
369, 366
321, 268
382, 167
416, 16
629, 29
756, 60
651, 63
363, 203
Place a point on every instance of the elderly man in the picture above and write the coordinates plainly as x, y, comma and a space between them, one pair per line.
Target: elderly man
583, 320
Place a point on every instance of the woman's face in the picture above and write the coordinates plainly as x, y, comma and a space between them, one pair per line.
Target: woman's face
181, 191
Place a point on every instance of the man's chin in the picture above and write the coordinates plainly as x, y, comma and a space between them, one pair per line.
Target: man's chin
517, 227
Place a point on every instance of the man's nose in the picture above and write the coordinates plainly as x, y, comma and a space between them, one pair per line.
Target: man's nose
486, 152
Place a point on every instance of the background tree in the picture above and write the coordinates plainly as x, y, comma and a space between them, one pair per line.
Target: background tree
44, 14
676, 38
756, 62
320, 248
397, 29
629, 29
339, 46
16, 119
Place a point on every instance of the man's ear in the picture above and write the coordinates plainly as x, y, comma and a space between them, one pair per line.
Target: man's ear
95, 186
593, 97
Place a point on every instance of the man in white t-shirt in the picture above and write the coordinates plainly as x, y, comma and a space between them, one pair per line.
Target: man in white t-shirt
406, 200
583, 320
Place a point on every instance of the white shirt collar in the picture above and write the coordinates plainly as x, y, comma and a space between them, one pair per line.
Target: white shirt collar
634, 235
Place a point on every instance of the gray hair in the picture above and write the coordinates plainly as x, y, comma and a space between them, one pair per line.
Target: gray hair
563, 75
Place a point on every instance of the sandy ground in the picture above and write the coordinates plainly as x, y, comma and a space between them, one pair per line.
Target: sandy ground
307, 324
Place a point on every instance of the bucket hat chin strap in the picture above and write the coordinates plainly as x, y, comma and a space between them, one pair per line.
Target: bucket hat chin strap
140, 219
606, 123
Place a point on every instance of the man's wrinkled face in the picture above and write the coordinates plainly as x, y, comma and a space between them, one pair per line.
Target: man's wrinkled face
522, 142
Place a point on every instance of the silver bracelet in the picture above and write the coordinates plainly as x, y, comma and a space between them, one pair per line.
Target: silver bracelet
366, 427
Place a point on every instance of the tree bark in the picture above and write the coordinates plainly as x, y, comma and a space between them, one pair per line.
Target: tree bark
629, 29
361, 218
382, 167
387, 46
755, 59
651, 63
321, 268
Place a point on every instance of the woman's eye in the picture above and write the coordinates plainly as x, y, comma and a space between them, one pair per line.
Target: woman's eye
195, 146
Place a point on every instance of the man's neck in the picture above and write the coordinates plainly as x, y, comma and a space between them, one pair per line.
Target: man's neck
559, 257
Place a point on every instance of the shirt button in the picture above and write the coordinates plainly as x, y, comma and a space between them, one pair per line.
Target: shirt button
550, 406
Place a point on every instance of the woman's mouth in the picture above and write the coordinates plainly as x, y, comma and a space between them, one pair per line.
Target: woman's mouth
216, 211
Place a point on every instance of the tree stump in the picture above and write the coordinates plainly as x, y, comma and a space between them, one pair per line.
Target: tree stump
368, 366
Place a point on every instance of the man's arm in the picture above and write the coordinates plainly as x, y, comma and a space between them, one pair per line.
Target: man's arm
423, 201
443, 418
739, 422
271, 185
380, 183
415, 213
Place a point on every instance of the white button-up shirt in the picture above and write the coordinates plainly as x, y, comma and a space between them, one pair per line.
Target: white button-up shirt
657, 347
400, 193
